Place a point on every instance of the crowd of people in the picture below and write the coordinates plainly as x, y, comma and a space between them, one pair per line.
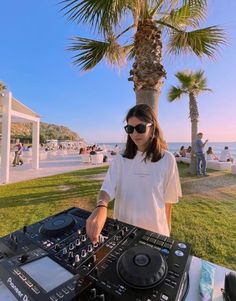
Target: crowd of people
202, 156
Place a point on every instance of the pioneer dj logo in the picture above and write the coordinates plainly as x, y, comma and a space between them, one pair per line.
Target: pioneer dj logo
17, 290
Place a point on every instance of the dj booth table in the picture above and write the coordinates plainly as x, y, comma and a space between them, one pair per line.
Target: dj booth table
194, 276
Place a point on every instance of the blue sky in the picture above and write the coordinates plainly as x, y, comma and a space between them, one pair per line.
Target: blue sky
37, 68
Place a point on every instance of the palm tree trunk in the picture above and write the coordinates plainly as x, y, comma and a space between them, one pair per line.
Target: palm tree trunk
193, 115
147, 72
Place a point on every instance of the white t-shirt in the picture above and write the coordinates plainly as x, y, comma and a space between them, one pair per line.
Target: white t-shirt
141, 190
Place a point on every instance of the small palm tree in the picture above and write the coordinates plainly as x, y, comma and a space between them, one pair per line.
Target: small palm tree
2, 87
192, 84
138, 29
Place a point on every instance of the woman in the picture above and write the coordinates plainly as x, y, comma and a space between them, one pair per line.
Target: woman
182, 151
143, 180
211, 155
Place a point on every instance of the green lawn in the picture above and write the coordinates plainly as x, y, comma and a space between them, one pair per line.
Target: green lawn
205, 216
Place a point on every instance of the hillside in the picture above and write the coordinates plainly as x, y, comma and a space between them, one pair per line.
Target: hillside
47, 131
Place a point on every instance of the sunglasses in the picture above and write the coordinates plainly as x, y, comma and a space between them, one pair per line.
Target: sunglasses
139, 128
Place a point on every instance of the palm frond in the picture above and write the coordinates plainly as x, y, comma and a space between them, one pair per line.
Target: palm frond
187, 15
202, 42
100, 14
185, 78
175, 93
91, 52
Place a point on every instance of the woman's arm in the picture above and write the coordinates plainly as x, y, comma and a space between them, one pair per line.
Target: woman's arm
168, 209
97, 219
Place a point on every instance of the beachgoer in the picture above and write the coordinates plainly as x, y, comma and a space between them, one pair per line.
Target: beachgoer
18, 152
93, 151
182, 151
225, 155
143, 180
210, 154
201, 161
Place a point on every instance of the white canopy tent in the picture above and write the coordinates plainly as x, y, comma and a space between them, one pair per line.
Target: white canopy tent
12, 110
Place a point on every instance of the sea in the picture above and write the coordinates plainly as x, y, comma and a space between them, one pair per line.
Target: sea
175, 146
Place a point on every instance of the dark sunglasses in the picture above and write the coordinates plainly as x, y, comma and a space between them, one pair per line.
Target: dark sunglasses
139, 128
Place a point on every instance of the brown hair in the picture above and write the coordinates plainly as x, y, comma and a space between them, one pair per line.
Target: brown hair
157, 145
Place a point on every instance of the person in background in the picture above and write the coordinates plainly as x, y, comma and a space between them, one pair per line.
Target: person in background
93, 151
182, 151
188, 152
189, 149
210, 154
199, 150
225, 155
143, 180
18, 152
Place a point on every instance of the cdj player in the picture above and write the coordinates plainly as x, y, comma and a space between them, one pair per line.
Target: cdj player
54, 260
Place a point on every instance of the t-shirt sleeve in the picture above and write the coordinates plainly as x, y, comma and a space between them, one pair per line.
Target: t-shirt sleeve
172, 184
110, 182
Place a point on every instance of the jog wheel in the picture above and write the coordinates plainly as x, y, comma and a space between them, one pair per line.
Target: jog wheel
142, 267
58, 225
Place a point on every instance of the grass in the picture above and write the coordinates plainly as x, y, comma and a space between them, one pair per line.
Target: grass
205, 216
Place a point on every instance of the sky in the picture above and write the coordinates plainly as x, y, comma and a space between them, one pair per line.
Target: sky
37, 67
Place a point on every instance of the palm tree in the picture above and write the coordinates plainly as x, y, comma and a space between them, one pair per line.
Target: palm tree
152, 24
192, 84
2, 87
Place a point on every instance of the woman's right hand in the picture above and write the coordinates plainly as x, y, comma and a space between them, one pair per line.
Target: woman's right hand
95, 223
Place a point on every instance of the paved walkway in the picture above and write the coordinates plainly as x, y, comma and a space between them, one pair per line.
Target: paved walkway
57, 165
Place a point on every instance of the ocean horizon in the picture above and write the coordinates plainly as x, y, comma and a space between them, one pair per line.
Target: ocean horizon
175, 146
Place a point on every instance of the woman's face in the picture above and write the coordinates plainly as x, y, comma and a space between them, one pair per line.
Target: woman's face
141, 140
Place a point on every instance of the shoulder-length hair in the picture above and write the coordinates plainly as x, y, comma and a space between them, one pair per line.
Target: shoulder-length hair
157, 146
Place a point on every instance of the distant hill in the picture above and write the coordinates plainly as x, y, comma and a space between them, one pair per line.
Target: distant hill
47, 131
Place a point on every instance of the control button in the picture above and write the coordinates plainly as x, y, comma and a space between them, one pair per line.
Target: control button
77, 242
71, 246
165, 251
90, 248
101, 297
94, 258
95, 245
22, 277
77, 258
71, 287
152, 240
53, 298
176, 265
65, 290
83, 237
57, 247
60, 295
160, 243
101, 239
71, 255
64, 251
145, 238
35, 289
23, 258
179, 253
182, 245
164, 297
167, 245
30, 284
162, 237
17, 272
170, 240
93, 293
83, 253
